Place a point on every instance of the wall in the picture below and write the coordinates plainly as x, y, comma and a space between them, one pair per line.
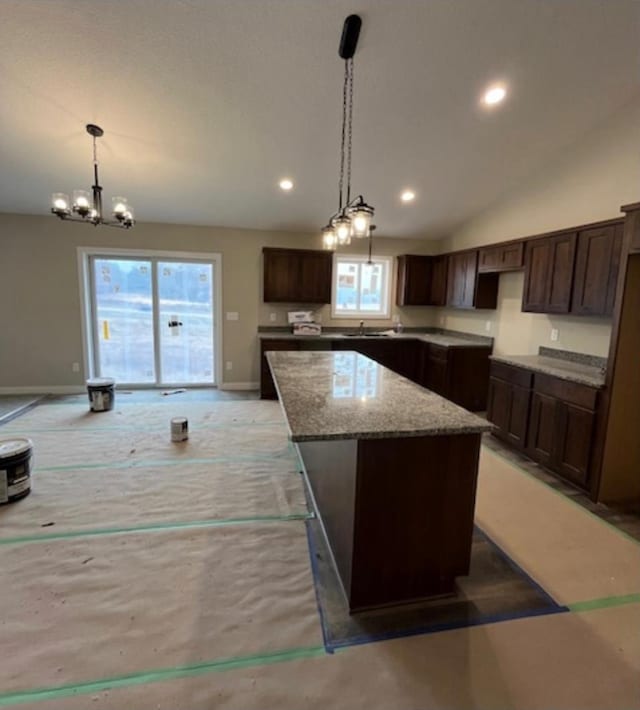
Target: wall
587, 183
39, 291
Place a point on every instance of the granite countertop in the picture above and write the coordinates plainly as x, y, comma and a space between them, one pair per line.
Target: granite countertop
446, 339
573, 367
345, 395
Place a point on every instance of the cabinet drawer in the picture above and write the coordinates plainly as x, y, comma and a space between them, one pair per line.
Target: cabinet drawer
571, 392
509, 373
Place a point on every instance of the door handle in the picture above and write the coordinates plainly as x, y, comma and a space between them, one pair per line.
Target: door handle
174, 323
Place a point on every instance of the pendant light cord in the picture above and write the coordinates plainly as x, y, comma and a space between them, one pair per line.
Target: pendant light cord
349, 63
345, 87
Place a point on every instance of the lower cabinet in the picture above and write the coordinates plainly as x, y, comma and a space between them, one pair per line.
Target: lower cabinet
458, 373
550, 419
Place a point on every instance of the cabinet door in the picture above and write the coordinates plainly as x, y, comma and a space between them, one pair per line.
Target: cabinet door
561, 278
462, 279
502, 257
440, 265
436, 375
536, 277
573, 449
540, 444
414, 280
508, 409
314, 280
597, 263
280, 276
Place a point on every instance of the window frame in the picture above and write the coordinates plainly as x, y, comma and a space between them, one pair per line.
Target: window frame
387, 276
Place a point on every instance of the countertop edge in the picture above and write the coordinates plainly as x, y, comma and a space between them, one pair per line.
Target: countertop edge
561, 374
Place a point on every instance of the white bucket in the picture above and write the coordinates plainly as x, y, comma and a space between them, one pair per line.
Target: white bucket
101, 393
179, 429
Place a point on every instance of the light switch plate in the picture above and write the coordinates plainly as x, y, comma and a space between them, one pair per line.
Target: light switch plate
233, 315
554, 334
273, 317
229, 365
487, 326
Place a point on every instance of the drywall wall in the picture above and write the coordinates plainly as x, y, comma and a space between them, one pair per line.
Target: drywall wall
588, 182
41, 334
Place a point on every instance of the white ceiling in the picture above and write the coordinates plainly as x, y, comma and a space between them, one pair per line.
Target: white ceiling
206, 104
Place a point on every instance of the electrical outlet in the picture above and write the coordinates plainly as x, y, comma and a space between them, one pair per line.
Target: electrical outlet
487, 326
273, 317
75, 367
396, 318
554, 334
229, 365
441, 320
317, 317
233, 315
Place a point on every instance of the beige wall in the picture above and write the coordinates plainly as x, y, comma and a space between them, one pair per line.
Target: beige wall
39, 291
587, 183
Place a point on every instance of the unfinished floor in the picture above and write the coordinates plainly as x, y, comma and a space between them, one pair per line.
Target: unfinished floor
150, 575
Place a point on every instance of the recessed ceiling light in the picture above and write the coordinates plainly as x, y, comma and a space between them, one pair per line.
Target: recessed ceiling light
408, 196
286, 184
494, 95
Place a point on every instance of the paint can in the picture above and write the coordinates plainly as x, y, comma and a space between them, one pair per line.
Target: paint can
101, 391
15, 469
179, 429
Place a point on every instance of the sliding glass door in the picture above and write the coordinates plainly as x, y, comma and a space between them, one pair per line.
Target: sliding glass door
153, 320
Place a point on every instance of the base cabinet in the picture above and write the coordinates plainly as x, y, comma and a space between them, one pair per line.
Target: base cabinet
550, 419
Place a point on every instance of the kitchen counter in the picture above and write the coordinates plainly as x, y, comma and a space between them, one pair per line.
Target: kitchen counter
391, 471
345, 395
586, 370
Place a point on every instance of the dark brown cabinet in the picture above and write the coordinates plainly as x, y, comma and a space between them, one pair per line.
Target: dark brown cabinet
598, 254
562, 424
501, 257
548, 279
466, 288
422, 280
508, 403
413, 286
267, 388
297, 276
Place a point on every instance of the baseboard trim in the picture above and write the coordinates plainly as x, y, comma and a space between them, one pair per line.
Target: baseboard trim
239, 386
44, 389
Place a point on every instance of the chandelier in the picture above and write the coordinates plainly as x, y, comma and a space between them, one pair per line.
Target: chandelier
88, 208
353, 218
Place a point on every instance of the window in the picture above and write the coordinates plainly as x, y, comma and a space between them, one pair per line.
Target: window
361, 289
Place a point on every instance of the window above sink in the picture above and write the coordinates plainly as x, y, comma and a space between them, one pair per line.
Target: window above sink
361, 290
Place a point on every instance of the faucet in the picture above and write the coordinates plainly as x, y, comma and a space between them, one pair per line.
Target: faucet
361, 330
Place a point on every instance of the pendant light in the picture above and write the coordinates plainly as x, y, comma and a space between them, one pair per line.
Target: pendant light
88, 207
354, 216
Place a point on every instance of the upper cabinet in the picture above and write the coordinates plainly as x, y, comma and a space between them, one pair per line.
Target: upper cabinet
466, 288
596, 274
297, 275
548, 278
501, 257
422, 280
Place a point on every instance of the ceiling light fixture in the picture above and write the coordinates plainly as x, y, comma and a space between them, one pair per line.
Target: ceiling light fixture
89, 207
286, 184
494, 95
408, 196
353, 218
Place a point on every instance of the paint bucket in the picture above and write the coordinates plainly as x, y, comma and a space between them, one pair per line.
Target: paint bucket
179, 429
15, 469
101, 393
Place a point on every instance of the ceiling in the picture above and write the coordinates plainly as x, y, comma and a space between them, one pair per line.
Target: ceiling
207, 104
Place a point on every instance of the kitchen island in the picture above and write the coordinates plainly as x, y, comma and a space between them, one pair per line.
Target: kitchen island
391, 468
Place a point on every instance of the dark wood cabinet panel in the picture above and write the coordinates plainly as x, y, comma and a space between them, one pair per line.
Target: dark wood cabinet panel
439, 270
466, 288
597, 262
508, 409
548, 278
267, 388
575, 427
501, 257
540, 440
297, 276
413, 286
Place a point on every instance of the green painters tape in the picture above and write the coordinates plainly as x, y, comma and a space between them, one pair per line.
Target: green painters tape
282, 456
604, 602
139, 430
154, 527
155, 676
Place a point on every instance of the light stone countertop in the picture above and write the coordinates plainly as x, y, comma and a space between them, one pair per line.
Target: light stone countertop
444, 340
345, 395
557, 367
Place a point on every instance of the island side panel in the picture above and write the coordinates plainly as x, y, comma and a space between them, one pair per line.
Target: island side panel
330, 468
415, 500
